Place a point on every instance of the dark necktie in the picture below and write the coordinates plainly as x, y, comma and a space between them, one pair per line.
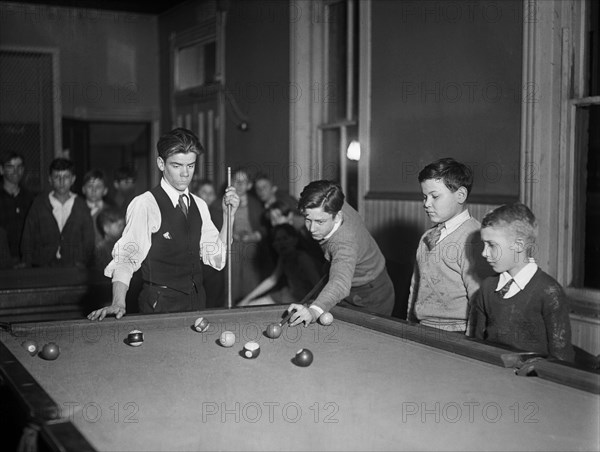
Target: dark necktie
433, 236
183, 204
505, 288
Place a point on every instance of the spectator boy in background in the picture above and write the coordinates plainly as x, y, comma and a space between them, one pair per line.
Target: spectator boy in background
94, 189
15, 201
124, 185
111, 222
58, 229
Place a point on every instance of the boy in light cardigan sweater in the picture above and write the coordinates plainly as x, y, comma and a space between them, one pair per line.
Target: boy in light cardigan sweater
449, 267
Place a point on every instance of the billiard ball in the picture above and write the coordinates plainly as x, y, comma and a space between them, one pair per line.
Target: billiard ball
50, 351
274, 330
251, 350
326, 318
227, 339
304, 357
135, 338
31, 346
201, 324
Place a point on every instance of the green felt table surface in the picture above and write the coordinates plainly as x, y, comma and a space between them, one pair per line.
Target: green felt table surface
365, 390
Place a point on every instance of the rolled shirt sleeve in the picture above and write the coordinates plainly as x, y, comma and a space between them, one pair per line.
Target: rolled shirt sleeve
213, 251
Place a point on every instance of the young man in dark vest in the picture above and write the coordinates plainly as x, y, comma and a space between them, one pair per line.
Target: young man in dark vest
169, 234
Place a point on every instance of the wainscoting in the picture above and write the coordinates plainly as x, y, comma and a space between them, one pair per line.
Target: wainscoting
586, 333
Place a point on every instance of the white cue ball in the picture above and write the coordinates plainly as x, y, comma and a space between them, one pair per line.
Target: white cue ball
326, 318
227, 339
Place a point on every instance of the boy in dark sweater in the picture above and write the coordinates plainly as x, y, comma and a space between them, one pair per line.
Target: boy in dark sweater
522, 307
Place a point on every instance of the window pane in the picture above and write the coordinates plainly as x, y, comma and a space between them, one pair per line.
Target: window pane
190, 67
592, 217
331, 154
196, 65
337, 61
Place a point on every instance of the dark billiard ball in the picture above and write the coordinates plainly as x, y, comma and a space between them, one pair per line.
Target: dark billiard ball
274, 330
31, 346
201, 324
251, 350
50, 351
135, 338
304, 357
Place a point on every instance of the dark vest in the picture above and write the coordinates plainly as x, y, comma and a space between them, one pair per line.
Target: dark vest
174, 257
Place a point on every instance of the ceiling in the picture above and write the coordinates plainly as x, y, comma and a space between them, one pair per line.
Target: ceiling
146, 7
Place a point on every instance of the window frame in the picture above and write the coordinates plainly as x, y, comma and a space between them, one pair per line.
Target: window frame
573, 152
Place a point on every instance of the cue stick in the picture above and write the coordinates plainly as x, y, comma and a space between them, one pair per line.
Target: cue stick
318, 286
229, 245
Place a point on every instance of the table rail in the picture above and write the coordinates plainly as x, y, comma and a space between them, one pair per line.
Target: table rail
548, 369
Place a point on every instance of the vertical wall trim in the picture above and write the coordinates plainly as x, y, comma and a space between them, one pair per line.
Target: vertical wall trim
364, 102
529, 94
300, 110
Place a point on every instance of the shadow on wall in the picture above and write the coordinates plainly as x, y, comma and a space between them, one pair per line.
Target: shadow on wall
398, 242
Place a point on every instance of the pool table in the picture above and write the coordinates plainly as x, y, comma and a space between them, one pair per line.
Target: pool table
376, 383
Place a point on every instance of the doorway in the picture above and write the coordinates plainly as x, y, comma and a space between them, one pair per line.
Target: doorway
108, 146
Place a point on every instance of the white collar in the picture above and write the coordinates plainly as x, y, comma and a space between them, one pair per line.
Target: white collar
453, 223
521, 279
172, 193
336, 226
55, 202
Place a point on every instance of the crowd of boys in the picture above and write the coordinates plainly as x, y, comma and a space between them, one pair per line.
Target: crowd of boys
58, 227
470, 278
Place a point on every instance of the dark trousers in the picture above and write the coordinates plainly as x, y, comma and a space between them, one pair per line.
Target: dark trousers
161, 299
377, 296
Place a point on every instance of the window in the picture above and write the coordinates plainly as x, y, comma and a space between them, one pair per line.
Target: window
591, 148
339, 94
195, 65
196, 101
586, 103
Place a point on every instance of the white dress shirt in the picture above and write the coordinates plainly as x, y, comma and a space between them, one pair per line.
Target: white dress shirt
521, 279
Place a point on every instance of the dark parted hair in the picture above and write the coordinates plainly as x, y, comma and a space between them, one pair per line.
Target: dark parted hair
6, 157
107, 216
61, 164
125, 172
454, 174
282, 206
176, 141
94, 174
322, 193
288, 228
261, 175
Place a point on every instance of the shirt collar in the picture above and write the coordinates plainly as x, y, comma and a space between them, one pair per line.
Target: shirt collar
453, 223
55, 201
172, 193
521, 279
95, 205
336, 226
